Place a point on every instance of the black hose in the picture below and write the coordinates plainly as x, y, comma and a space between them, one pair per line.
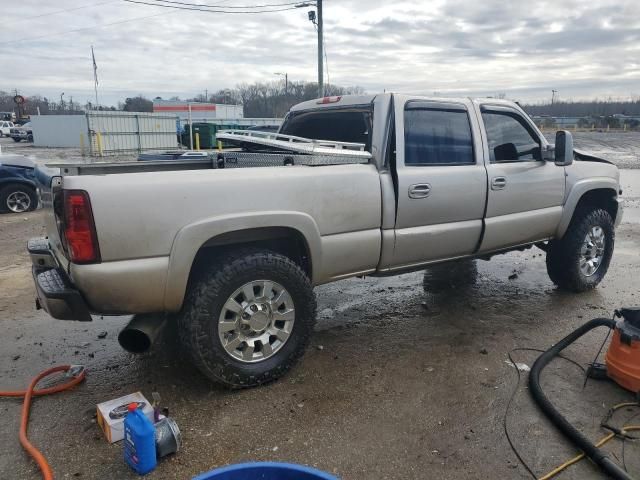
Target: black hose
594, 453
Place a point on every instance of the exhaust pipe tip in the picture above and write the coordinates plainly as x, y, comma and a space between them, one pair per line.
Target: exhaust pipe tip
134, 340
141, 332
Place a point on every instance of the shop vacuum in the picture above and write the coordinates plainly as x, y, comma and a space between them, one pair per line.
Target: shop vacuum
623, 356
622, 366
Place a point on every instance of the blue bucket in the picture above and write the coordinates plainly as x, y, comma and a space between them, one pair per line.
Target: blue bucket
265, 471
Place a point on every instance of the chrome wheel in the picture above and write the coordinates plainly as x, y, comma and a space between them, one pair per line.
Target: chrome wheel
592, 251
256, 321
18, 201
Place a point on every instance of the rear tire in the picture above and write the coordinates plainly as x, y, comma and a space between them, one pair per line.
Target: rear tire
579, 261
228, 334
15, 139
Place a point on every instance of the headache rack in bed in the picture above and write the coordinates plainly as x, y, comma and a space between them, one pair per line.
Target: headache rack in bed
267, 149
252, 139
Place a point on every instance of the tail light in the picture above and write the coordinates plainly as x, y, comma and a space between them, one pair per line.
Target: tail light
79, 229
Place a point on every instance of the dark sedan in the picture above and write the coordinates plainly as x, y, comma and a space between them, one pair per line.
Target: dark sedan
18, 191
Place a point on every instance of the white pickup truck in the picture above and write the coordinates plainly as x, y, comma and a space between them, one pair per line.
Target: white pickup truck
393, 183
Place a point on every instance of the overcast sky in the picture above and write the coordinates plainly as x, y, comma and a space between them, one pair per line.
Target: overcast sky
583, 49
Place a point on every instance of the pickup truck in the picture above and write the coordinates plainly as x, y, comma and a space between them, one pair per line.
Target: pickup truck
231, 255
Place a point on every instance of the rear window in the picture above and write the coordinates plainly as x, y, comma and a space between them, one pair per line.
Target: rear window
352, 125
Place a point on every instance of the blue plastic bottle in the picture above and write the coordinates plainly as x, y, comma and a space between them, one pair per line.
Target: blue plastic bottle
139, 441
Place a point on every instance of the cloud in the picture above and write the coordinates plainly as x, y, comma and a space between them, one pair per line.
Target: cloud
524, 49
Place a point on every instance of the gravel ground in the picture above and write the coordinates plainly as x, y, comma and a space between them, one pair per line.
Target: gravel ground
621, 148
407, 376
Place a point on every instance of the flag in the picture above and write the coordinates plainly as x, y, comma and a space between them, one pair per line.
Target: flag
95, 67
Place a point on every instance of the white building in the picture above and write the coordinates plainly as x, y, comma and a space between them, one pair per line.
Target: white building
107, 133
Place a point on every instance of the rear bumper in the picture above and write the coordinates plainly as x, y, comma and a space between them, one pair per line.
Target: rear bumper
55, 293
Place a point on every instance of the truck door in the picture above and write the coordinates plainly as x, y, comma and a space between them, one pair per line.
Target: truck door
525, 192
441, 181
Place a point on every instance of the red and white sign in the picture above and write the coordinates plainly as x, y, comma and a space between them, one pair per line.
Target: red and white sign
184, 107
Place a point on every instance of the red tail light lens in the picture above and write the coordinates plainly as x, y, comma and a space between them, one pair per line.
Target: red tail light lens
79, 228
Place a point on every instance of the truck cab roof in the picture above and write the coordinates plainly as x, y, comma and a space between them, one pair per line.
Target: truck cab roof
358, 100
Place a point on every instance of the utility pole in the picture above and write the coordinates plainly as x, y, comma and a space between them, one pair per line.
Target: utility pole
315, 17
553, 96
286, 82
320, 50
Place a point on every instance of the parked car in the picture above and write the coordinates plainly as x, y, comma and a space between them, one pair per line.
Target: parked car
5, 128
232, 254
23, 132
18, 192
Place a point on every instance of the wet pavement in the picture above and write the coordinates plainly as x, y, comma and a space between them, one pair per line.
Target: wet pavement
407, 377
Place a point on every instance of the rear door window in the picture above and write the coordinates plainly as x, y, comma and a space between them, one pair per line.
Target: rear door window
437, 137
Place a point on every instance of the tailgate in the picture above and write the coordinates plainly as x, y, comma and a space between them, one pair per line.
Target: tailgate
50, 189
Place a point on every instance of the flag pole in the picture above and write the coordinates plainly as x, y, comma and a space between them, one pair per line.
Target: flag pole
95, 76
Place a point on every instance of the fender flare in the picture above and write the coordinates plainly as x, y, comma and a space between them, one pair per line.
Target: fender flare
578, 190
18, 181
192, 237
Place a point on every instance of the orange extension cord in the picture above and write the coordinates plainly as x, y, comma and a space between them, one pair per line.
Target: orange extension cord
78, 374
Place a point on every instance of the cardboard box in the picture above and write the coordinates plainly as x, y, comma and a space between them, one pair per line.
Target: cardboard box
111, 415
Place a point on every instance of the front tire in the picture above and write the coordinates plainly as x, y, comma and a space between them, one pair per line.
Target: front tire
247, 318
18, 199
579, 261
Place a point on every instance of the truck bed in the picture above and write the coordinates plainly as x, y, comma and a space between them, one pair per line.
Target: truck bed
219, 160
264, 150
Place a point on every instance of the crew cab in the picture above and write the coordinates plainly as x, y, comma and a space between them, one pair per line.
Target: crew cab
232, 254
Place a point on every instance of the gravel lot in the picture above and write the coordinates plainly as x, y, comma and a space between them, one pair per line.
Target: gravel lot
407, 377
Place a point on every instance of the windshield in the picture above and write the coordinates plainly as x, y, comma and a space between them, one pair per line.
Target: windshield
340, 125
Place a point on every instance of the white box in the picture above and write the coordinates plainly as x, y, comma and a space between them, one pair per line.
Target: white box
113, 428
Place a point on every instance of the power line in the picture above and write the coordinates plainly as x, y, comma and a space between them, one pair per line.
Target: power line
26, 39
63, 11
176, 7
38, 37
206, 5
326, 60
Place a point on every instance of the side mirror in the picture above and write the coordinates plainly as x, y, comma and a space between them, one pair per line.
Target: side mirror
564, 148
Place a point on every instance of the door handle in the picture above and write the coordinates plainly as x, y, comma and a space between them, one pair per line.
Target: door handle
419, 190
498, 183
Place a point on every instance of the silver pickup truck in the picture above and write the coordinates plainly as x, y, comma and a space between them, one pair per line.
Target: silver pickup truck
231, 252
